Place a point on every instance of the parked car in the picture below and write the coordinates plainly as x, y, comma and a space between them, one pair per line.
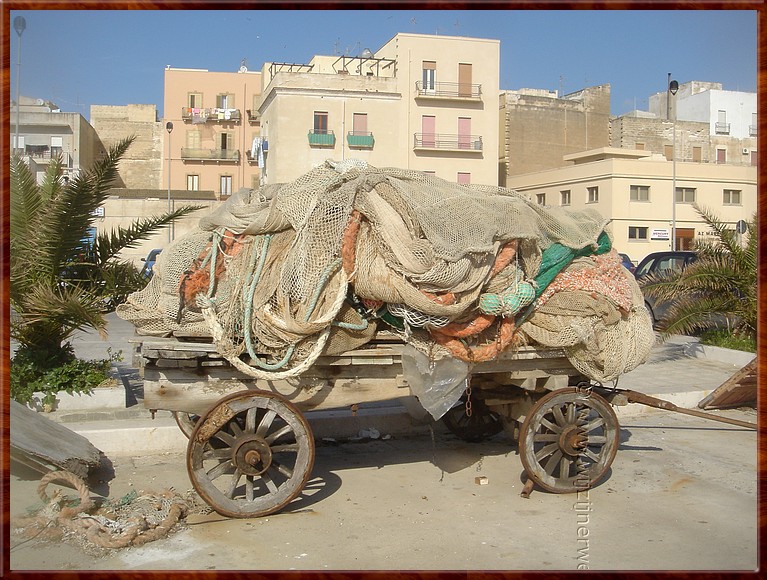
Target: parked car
149, 261
626, 261
661, 263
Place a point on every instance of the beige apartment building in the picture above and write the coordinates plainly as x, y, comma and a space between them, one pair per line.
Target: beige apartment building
633, 189
213, 126
420, 102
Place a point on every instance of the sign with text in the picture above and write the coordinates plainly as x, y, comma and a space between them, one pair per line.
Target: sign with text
660, 234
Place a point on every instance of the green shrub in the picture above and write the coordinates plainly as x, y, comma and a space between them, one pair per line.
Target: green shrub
29, 375
725, 339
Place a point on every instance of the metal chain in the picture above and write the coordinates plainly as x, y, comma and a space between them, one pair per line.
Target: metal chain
468, 398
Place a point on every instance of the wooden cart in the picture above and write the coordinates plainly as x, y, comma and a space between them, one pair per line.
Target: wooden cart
251, 449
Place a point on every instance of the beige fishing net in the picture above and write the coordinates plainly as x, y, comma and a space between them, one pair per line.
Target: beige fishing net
280, 275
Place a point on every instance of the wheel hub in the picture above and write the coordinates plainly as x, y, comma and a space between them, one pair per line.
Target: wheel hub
252, 455
572, 440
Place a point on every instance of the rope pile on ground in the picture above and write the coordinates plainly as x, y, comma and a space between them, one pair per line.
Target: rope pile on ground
283, 274
131, 521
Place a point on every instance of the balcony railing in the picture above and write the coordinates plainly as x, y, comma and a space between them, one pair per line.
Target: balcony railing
253, 117
216, 115
41, 154
462, 91
360, 139
322, 138
468, 143
722, 128
195, 154
752, 130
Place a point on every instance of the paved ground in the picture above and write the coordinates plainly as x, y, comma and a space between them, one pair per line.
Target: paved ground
681, 495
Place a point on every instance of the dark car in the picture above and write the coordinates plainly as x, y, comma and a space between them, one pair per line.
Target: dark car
149, 261
626, 261
661, 263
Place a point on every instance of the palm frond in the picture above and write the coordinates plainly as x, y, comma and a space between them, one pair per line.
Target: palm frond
108, 245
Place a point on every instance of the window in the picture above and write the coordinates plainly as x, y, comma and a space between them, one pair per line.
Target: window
193, 183
731, 197
464, 178
540, 198
57, 146
225, 101
637, 233
697, 154
360, 124
593, 194
668, 152
193, 139
429, 75
226, 140
464, 79
722, 127
194, 100
753, 158
639, 146
464, 132
564, 197
321, 122
685, 195
721, 156
428, 128
226, 184
640, 193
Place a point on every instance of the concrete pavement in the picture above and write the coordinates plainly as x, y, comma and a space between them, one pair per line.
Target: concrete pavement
113, 419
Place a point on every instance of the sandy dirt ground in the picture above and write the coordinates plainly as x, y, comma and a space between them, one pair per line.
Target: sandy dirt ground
681, 494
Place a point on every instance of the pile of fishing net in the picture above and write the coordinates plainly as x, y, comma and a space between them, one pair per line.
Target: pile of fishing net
281, 275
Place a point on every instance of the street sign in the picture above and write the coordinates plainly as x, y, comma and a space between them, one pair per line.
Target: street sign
741, 226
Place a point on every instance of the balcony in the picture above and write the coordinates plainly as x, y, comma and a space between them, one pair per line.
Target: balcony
445, 142
722, 128
253, 117
360, 139
322, 138
217, 155
41, 154
752, 130
452, 91
216, 115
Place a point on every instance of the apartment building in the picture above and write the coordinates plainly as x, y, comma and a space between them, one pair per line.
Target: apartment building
705, 123
212, 127
537, 127
633, 188
419, 102
44, 132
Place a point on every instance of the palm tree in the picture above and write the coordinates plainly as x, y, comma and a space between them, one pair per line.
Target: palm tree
60, 280
719, 285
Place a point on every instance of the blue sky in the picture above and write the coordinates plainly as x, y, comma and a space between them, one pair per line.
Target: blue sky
80, 58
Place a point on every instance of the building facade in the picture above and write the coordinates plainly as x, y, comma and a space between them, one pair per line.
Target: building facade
44, 132
141, 166
420, 102
633, 188
213, 125
537, 127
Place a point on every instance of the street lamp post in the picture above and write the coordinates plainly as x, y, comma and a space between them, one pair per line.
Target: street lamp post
169, 129
19, 25
673, 87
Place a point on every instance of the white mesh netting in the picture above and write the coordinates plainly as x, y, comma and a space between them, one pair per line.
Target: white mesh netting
280, 275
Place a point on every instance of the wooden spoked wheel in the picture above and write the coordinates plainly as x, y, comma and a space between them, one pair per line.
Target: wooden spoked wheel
481, 424
185, 422
250, 455
568, 440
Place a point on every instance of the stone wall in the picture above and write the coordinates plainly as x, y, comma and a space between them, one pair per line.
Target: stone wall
141, 167
539, 128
